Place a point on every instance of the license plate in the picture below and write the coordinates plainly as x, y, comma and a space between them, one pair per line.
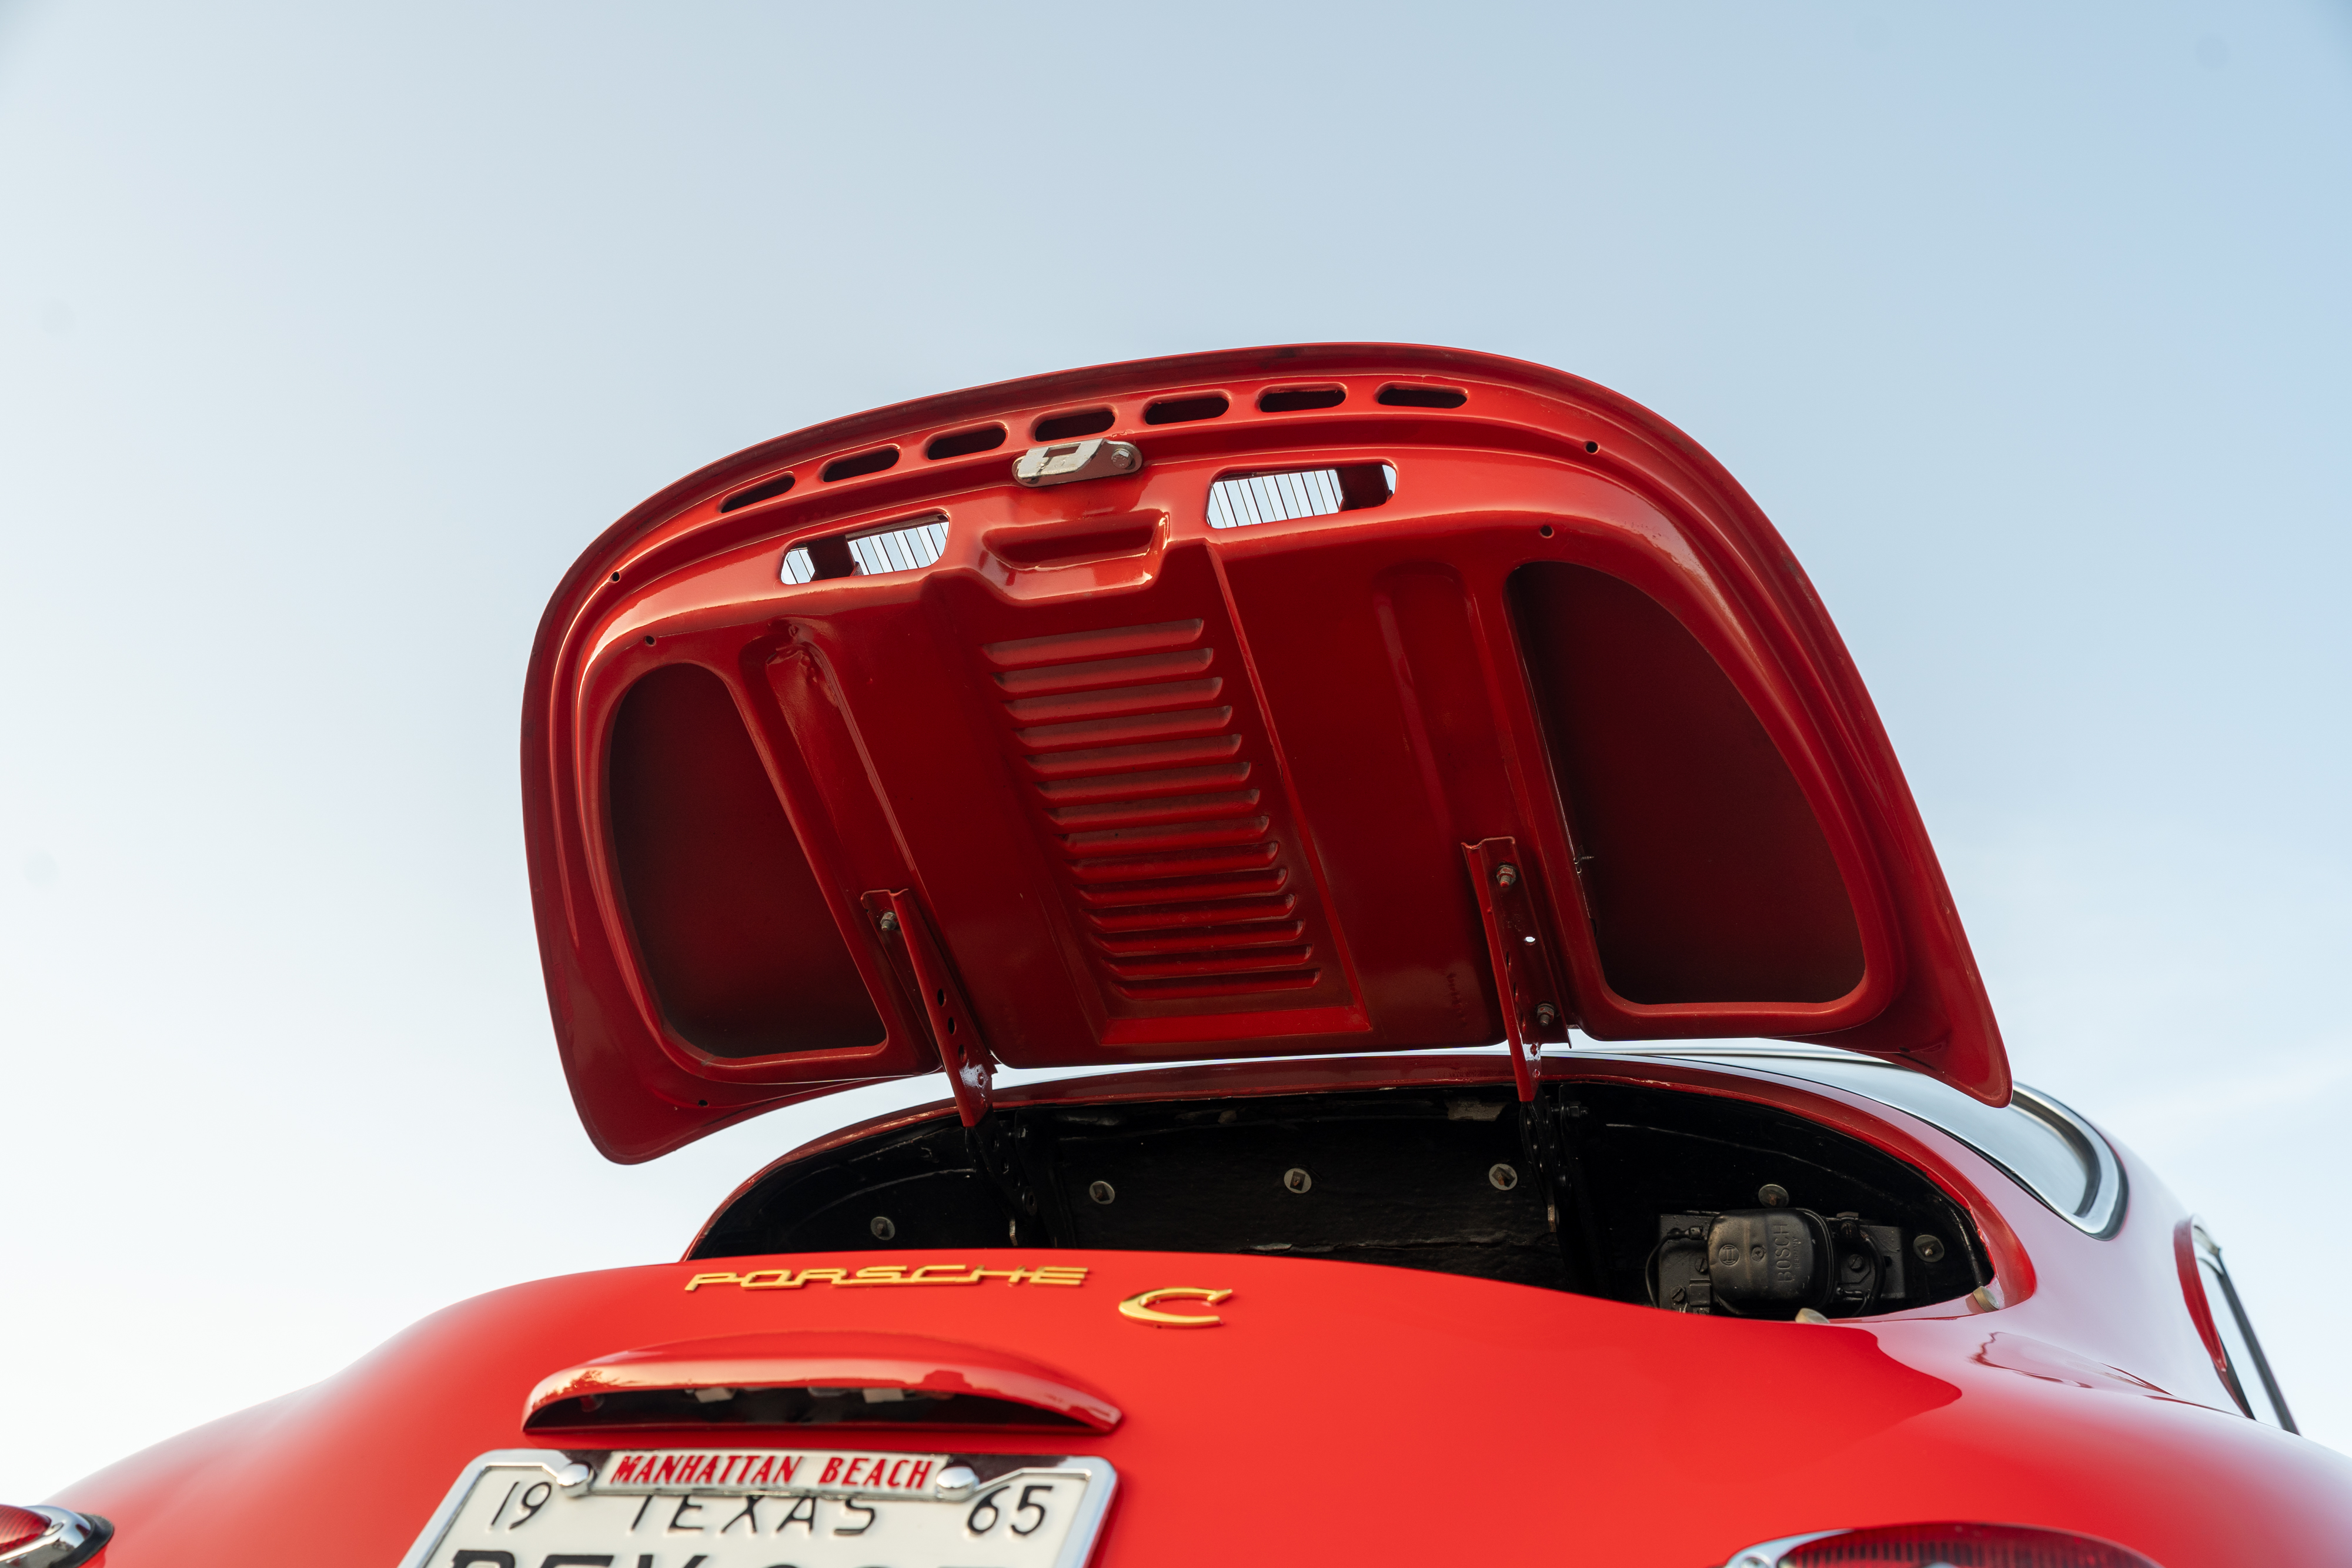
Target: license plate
755, 1508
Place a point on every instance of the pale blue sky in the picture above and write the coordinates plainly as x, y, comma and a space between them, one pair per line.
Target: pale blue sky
329, 336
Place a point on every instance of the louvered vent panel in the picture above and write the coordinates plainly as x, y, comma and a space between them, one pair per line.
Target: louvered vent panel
1162, 824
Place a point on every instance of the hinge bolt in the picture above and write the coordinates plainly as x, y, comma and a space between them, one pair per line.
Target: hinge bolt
889, 921
1507, 875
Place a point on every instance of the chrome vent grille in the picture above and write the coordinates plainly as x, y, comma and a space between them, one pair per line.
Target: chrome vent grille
903, 547
1159, 821
1250, 499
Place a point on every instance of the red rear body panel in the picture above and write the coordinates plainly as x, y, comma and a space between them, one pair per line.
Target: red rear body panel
1379, 1415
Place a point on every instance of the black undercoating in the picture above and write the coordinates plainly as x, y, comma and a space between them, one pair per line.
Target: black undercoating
1403, 1177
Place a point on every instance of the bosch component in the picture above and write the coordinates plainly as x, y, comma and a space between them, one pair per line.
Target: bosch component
1774, 1263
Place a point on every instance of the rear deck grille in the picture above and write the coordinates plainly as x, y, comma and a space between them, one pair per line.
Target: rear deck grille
1247, 499
1160, 825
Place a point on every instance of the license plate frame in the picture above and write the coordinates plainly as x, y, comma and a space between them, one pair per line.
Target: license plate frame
556, 1466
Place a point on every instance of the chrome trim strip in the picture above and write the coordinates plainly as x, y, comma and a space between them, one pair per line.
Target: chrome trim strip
568, 1471
2105, 1195
2101, 1212
2209, 1250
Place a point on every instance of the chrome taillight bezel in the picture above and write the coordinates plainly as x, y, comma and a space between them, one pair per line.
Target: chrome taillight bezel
71, 1539
1771, 1554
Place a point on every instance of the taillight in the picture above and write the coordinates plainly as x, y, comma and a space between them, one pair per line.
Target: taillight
50, 1537
1939, 1546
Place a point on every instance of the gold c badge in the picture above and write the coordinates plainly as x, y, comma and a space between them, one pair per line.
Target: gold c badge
1144, 1306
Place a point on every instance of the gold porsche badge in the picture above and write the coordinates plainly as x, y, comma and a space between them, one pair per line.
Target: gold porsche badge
890, 1274
1144, 1306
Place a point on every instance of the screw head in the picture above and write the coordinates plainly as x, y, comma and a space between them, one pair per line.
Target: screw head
882, 1228
956, 1480
1502, 1177
1772, 1195
1297, 1180
1102, 1192
1507, 875
1928, 1249
1547, 1015
889, 921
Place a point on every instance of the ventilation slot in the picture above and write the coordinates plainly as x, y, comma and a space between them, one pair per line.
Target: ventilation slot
906, 547
850, 467
1070, 427
964, 443
1297, 399
1422, 397
1251, 498
1173, 863
765, 490
1184, 410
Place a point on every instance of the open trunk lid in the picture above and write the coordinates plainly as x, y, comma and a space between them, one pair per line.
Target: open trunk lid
1276, 701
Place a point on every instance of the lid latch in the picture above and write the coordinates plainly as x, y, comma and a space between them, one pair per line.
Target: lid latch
1068, 462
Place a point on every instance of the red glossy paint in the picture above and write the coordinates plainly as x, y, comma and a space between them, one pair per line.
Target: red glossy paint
1385, 1414
840, 1361
731, 780
1164, 790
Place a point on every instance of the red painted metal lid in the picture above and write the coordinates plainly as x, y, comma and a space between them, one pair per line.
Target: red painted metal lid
1300, 700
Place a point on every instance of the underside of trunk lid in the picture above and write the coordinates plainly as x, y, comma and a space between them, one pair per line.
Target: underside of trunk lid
1288, 701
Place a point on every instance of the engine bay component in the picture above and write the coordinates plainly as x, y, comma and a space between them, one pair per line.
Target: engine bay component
1774, 1263
1608, 1189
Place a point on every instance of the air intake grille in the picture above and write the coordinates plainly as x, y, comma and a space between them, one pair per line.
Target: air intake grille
900, 549
1250, 499
903, 547
1161, 825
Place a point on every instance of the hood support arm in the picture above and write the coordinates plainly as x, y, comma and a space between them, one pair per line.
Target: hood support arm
963, 1055
1526, 981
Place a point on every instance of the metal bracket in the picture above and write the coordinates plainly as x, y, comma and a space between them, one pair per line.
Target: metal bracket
963, 1055
1540, 1136
1526, 981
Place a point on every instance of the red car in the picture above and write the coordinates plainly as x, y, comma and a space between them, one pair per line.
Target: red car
1313, 737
